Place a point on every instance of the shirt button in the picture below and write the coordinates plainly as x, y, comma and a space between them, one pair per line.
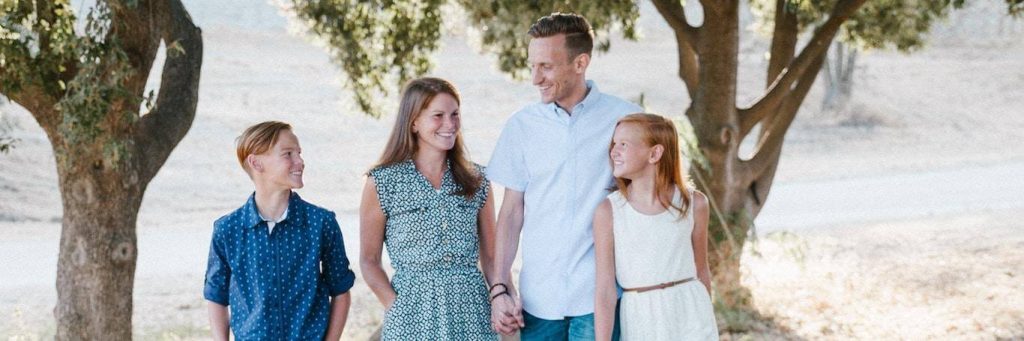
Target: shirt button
444, 224
448, 258
445, 240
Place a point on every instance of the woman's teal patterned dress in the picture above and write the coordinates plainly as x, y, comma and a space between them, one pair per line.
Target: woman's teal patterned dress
431, 238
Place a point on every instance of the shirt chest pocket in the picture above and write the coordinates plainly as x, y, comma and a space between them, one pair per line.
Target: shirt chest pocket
411, 226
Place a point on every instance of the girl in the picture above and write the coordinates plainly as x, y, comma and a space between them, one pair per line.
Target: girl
432, 208
651, 236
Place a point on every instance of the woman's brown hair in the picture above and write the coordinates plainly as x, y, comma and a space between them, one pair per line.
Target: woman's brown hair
402, 144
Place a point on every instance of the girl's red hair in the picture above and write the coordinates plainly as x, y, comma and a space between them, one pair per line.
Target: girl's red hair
668, 177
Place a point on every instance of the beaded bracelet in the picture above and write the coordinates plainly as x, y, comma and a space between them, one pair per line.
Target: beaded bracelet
497, 284
503, 292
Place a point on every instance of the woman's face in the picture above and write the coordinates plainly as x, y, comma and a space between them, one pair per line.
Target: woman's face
437, 125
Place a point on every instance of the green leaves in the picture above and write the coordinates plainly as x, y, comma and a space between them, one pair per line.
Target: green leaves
503, 24
378, 44
899, 24
82, 71
96, 92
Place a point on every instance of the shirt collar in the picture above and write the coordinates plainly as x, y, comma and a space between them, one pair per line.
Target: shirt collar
593, 96
251, 215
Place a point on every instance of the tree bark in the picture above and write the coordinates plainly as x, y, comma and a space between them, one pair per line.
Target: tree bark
96, 265
103, 179
737, 189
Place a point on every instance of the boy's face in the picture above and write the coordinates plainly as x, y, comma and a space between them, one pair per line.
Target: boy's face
280, 167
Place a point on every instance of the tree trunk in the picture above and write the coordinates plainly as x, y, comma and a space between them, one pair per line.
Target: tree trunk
713, 115
104, 165
838, 72
96, 265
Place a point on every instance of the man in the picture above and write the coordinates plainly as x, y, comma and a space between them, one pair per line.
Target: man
278, 261
552, 158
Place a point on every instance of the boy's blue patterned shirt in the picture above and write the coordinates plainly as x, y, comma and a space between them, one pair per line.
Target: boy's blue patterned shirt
278, 285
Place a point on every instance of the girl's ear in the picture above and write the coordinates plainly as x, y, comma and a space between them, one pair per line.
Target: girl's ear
656, 153
254, 163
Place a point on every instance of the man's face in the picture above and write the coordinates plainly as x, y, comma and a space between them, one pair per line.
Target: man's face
554, 74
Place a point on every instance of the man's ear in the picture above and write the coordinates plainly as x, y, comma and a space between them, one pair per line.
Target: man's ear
254, 163
581, 62
656, 152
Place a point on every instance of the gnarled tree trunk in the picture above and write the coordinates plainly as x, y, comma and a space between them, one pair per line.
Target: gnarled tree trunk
737, 188
106, 158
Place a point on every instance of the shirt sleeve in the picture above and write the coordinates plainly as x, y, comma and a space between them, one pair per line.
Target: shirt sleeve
507, 166
218, 272
335, 262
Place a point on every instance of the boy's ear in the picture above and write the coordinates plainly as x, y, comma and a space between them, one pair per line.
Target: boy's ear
254, 163
656, 152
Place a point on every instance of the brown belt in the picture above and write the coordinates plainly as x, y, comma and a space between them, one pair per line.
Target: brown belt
659, 286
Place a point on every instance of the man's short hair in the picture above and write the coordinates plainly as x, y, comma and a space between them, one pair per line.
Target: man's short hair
258, 139
579, 38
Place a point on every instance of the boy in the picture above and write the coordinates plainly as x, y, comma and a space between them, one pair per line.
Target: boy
278, 261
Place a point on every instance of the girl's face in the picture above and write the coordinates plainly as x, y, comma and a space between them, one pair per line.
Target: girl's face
438, 124
631, 156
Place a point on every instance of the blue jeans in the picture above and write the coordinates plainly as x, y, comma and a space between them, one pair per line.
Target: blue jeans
574, 328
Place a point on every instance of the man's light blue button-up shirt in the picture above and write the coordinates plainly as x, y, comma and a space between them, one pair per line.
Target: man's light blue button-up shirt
560, 162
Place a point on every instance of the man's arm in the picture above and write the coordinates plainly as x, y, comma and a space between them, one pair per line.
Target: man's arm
506, 310
339, 314
218, 320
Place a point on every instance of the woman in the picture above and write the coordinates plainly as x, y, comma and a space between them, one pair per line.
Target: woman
433, 210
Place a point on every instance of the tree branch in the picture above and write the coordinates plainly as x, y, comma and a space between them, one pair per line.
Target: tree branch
796, 69
687, 37
784, 37
675, 14
41, 105
135, 28
774, 132
160, 131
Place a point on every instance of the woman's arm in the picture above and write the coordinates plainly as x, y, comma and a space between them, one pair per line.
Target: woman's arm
371, 242
486, 233
604, 253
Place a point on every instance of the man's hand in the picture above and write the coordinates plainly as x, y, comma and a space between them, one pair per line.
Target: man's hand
507, 314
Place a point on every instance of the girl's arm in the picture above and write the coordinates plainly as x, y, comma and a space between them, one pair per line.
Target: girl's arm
700, 238
371, 241
604, 253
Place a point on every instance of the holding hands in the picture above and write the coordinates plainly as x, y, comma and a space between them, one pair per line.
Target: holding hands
506, 309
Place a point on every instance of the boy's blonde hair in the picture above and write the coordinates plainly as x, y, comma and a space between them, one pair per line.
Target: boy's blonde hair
257, 139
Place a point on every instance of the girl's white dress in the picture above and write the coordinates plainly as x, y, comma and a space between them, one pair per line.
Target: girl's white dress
655, 249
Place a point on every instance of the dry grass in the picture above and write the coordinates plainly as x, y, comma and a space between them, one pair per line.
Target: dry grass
940, 278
